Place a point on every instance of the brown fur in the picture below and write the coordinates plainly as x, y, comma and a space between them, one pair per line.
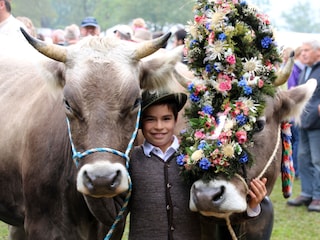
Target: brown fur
101, 83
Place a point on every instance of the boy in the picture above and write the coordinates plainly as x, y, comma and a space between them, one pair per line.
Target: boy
159, 203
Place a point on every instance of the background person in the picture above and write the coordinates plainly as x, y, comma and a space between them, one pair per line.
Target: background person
89, 27
9, 25
309, 135
71, 34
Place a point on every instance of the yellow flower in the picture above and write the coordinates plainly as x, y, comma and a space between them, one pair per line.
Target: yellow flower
197, 155
228, 151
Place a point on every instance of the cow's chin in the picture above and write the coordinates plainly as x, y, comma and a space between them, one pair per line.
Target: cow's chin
218, 198
102, 179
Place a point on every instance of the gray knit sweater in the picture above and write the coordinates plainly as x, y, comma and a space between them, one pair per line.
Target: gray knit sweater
159, 207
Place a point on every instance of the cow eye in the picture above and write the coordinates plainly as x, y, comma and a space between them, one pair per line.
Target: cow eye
259, 126
67, 105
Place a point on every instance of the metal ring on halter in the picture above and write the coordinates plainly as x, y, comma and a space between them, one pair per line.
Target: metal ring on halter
78, 155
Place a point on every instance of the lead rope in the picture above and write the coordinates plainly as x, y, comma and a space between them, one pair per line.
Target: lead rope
227, 218
78, 155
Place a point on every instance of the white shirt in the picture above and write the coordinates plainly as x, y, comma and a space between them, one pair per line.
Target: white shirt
148, 148
11, 27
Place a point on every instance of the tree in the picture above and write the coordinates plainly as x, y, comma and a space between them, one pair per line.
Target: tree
40, 12
156, 13
60, 13
300, 19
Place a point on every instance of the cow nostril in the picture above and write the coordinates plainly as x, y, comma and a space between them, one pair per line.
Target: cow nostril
87, 181
219, 194
116, 180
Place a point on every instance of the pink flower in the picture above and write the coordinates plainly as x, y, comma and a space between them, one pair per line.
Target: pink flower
224, 82
260, 83
198, 19
199, 135
231, 59
211, 37
241, 136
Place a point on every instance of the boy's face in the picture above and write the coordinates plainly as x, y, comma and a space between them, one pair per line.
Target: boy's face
158, 125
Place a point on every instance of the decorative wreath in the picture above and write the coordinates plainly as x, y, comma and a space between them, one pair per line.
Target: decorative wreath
231, 50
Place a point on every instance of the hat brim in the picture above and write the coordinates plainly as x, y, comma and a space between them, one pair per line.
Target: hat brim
89, 25
179, 98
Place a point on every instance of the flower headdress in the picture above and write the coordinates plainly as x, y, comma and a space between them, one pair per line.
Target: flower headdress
231, 51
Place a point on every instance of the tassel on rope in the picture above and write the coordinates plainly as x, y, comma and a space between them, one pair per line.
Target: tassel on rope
287, 170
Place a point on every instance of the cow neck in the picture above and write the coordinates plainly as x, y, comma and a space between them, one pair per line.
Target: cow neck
227, 216
78, 155
273, 154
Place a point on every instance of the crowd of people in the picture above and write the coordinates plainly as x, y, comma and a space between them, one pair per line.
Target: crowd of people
306, 136
137, 31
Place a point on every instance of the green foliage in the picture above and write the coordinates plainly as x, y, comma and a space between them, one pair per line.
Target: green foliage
300, 18
60, 13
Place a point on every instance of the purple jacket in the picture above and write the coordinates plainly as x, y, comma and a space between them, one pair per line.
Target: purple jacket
293, 80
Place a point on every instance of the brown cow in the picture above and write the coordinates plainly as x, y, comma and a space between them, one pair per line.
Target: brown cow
226, 199
96, 84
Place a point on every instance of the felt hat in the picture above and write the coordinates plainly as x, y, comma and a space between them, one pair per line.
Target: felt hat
152, 97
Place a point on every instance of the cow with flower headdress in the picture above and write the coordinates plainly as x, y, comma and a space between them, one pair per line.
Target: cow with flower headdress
236, 127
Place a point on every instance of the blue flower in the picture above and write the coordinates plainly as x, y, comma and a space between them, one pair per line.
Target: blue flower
207, 109
208, 68
242, 82
216, 68
208, 27
265, 42
193, 42
243, 3
179, 160
247, 90
241, 119
222, 37
190, 87
244, 158
202, 144
219, 143
194, 98
204, 164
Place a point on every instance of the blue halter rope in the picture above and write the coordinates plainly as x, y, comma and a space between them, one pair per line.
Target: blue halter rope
78, 155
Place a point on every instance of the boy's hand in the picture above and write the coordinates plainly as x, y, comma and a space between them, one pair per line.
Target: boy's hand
257, 192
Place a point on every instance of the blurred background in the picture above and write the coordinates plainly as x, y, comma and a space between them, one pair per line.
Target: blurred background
293, 20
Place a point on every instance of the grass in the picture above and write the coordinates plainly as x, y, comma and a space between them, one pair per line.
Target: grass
290, 222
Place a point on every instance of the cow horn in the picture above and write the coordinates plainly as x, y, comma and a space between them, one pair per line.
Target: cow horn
52, 51
284, 73
148, 47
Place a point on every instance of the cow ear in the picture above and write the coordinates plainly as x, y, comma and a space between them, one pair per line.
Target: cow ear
54, 73
291, 102
158, 69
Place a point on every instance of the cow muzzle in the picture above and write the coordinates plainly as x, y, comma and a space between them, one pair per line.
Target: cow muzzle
102, 179
217, 198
